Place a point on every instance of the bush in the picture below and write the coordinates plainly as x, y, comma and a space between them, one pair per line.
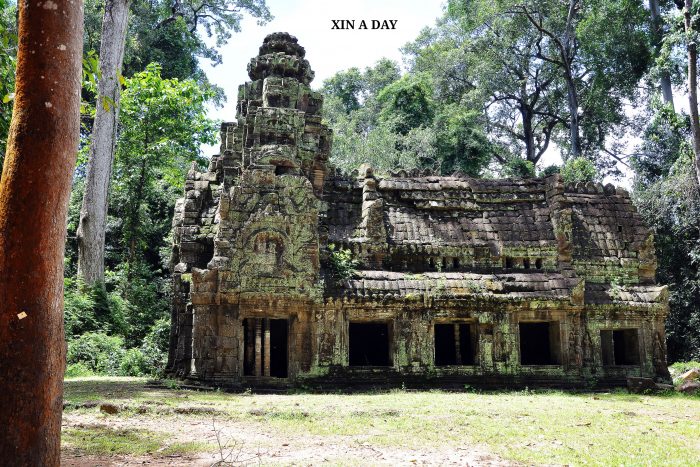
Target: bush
98, 352
549, 170
89, 308
154, 349
78, 306
74, 370
579, 170
342, 263
518, 168
133, 364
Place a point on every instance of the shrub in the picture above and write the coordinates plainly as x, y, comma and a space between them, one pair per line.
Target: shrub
518, 168
98, 352
133, 363
79, 316
73, 370
579, 169
549, 170
154, 349
342, 263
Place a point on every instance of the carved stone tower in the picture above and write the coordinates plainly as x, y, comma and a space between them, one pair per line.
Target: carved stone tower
260, 247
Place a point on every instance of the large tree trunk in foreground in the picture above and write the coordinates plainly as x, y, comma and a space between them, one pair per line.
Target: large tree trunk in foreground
93, 213
34, 192
693, 89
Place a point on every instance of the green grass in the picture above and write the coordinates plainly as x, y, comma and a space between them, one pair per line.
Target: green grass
101, 440
526, 426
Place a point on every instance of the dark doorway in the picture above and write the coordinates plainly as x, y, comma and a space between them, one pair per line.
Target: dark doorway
454, 344
540, 343
265, 343
369, 344
620, 347
278, 348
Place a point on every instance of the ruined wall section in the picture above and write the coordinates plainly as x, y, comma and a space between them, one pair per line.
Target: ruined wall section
610, 243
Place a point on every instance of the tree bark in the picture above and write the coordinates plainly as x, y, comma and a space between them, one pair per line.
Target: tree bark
571, 92
693, 87
93, 213
657, 37
34, 192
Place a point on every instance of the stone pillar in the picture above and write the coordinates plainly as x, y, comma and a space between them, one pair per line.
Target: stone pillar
266, 347
258, 346
250, 345
458, 353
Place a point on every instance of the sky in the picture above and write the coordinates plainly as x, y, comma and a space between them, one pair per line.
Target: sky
327, 50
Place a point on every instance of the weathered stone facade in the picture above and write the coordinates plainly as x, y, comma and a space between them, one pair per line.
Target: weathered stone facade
459, 280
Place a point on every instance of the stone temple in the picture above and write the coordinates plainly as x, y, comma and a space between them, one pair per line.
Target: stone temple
456, 280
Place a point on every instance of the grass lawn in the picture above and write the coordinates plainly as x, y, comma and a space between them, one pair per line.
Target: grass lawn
393, 427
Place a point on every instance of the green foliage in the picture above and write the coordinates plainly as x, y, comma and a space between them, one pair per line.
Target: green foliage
394, 122
92, 308
8, 54
133, 363
176, 35
343, 265
155, 347
579, 169
549, 170
76, 370
407, 103
163, 123
518, 168
99, 352
671, 207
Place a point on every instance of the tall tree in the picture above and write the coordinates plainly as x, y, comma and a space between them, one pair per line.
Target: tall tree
93, 214
690, 18
657, 34
561, 31
34, 191
164, 30
516, 89
601, 49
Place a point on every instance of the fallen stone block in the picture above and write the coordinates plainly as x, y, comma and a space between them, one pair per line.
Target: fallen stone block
691, 375
637, 385
689, 387
108, 408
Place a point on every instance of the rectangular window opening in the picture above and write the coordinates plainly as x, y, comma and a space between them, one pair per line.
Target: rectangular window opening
455, 344
509, 262
620, 347
369, 344
455, 263
265, 344
540, 343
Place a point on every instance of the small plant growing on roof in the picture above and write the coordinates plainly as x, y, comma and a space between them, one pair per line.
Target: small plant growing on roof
343, 265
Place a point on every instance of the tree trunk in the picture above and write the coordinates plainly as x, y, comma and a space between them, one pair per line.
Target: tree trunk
571, 92
34, 192
93, 213
528, 134
574, 124
693, 88
657, 37
134, 221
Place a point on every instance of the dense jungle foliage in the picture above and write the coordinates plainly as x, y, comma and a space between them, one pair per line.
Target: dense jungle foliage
493, 88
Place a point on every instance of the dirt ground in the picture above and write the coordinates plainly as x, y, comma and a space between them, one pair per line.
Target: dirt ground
261, 447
